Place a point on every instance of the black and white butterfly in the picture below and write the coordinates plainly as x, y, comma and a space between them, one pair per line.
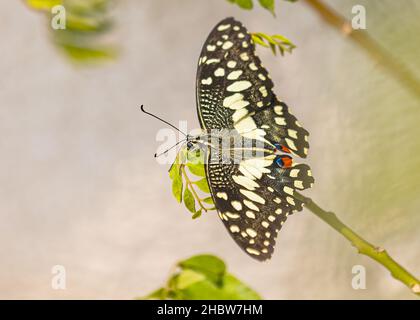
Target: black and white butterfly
234, 91
253, 183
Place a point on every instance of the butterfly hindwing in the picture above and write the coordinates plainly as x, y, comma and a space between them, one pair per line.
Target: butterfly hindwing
254, 198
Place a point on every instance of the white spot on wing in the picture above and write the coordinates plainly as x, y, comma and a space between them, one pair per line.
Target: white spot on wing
223, 27
253, 67
222, 195
237, 205
252, 196
288, 190
220, 72
292, 133
239, 114
250, 214
210, 61
245, 182
227, 45
234, 228
239, 86
253, 251
244, 56
294, 173
251, 232
280, 121
251, 205
231, 64
232, 215
207, 81
234, 75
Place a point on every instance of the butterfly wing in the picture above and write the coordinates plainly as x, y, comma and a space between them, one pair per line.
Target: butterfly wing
234, 91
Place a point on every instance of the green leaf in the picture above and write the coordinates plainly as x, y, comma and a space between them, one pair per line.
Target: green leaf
244, 4
268, 4
282, 38
211, 266
187, 278
273, 42
237, 290
267, 37
197, 214
208, 200
174, 171
204, 277
203, 185
84, 54
273, 48
189, 200
86, 20
177, 186
197, 169
43, 4
258, 40
232, 289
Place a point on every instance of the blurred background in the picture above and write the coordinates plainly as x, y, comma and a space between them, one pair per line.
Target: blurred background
79, 186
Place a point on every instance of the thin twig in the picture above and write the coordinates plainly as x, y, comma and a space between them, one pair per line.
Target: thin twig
377, 52
376, 253
190, 184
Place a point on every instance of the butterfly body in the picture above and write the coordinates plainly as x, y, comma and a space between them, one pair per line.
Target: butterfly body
249, 137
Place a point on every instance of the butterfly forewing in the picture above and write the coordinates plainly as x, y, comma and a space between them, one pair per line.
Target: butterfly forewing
234, 91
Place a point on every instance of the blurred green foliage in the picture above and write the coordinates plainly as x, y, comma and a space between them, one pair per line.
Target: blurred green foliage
203, 277
249, 4
87, 23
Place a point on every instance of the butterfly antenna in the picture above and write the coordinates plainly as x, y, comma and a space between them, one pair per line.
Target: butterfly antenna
167, 150
164, 121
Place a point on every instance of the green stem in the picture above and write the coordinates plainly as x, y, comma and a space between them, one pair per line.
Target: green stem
376, 253
377, 52
190, 184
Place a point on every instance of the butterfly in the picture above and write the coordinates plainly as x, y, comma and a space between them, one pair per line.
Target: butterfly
255, 195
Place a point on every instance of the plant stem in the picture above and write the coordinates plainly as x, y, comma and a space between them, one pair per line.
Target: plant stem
376, 253
190, 184
377, 52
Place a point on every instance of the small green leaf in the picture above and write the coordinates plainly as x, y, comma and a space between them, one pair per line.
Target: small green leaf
208, 200
244, 4
203, 185
43, 4
174, 170
177, 186
282, 39
84, 54
197, 214
273, 48
266, 37
211, 266
273, 42
189, 200
268, 4
197, 169
258, 40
